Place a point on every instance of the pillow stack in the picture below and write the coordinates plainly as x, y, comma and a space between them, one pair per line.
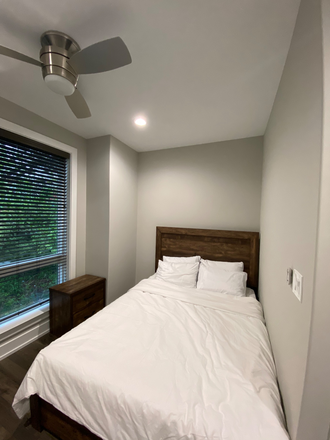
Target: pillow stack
217, 276
223, 277
181, 271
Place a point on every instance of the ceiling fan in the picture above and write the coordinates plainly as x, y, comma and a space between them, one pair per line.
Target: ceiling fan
62, 61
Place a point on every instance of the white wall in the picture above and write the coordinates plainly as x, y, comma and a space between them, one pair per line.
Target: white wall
123, 212
289, 207
215, 185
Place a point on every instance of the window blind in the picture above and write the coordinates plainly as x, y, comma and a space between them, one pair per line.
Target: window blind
33, 225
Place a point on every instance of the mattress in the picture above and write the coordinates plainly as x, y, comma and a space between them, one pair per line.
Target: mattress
163, 362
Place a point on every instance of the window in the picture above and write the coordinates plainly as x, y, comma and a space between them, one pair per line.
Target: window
33, 222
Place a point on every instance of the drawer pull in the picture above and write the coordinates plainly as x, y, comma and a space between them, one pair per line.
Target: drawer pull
89, 296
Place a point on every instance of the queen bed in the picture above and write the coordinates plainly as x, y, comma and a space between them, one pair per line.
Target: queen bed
169, 359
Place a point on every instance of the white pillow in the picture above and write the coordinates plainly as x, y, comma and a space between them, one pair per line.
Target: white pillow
195, 259
223, 281
181, 274
250, 293
224, 265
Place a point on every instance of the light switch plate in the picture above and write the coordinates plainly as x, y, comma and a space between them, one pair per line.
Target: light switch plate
297, 284
289, 273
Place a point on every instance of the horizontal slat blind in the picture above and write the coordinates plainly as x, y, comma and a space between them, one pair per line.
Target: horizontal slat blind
33, 213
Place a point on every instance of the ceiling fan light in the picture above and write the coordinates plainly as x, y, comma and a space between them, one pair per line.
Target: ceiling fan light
59, 85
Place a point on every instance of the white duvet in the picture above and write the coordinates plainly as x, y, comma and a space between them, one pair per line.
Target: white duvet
164, 363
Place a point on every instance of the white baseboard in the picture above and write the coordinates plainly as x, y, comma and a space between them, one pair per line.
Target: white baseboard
22, 335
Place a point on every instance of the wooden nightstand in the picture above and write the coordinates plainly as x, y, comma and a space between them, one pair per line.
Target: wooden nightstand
74, 301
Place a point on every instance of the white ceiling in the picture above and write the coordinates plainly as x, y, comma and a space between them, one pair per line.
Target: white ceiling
202, 70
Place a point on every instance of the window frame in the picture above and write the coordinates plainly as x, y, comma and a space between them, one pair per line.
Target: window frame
72, 212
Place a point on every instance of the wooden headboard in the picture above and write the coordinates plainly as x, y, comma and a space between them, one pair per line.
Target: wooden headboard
211, 244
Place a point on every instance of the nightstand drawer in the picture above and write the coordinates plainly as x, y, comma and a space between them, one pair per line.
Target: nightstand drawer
87, 312
83, 300
74, 301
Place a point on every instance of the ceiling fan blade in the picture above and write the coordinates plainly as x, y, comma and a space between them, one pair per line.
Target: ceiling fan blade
78, 105
101, 57
18, 56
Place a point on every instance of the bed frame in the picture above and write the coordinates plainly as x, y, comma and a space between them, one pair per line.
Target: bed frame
209, 244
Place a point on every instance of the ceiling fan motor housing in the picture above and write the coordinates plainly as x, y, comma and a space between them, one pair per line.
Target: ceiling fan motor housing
62, 60
57, 49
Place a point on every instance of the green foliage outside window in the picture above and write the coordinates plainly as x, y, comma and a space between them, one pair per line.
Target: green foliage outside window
32, 203
25, 218
20, 291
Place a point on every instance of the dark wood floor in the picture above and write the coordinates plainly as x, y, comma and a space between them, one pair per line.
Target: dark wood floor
12, 372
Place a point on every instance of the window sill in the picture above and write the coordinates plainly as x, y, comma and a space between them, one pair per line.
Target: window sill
25, 319
21, 331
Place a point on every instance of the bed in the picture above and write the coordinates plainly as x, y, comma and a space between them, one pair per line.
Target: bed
164, 361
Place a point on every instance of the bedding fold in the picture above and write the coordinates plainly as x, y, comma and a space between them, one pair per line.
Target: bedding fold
205, 298
163, 363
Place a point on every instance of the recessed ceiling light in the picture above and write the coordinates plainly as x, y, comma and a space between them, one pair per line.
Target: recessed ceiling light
140, 121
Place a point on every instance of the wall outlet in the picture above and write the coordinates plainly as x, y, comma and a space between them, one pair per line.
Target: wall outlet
297, 284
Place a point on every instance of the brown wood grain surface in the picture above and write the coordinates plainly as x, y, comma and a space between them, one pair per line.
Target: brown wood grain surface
74, 301
49, 418
75, 285
211, 244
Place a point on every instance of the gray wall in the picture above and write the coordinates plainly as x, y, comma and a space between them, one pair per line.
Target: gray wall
289, 207
123, 212
314, 416
20, 116
111, 213
97, 221
215, 185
